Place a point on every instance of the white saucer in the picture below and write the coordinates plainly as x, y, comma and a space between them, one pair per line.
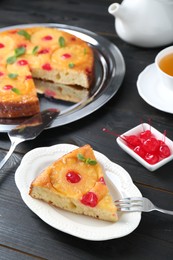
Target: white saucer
153, 91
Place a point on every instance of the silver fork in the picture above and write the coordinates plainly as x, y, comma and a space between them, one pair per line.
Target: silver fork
138, 204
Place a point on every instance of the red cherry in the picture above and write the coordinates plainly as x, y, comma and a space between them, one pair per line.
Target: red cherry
1, 74
49, 93
132, 140
2, 45
73, 38
145, 134
164, 151
66, 56
28, 77
22, 62
73, 177
88, 71
138, 149
161, 142
151, 158
102, 180
13, 31
47, 66
151, 145
90, 199
43, 51
8, 87
47, 38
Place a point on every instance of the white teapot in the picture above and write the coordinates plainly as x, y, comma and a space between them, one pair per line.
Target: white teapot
144, 23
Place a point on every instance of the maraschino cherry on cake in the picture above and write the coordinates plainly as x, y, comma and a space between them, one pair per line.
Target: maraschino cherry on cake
42, 60
75, 182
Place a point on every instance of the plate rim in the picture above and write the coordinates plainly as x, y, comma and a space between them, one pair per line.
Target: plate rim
78, 230
86, 107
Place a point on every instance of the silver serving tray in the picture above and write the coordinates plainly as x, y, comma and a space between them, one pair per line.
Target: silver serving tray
109, 74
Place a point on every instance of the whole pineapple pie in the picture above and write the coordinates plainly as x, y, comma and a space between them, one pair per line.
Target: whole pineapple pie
42, 60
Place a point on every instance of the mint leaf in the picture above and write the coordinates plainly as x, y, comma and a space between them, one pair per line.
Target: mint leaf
86, 160
81, 157
17, 52
16, 90
61, 42
91, 162
20, 51
25, 34
11, 60
12, 75
35, 50
71, 65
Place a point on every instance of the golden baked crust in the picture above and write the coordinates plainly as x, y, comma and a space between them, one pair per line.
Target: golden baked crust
75, 182
18, 96
46, 54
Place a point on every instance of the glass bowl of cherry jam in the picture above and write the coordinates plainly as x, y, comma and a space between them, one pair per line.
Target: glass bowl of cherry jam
147, 145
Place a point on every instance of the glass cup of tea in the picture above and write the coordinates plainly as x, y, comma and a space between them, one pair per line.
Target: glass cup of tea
164, 65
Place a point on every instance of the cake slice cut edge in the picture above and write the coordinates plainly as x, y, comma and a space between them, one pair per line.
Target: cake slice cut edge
75, 182
59, 91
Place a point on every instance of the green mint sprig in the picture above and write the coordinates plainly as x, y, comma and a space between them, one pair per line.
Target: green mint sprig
35, 50
12, 75
16, 90
86, 160
61, 41
71, 65
11, 60
24, 34
17, 53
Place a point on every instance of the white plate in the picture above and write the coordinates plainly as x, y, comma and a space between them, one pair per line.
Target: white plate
118, 180
152, 90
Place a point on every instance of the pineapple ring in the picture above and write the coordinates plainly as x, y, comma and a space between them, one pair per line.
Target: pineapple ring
45, 36
74, 189
17, 69
36, 60
20, 89
74, 54
7, 44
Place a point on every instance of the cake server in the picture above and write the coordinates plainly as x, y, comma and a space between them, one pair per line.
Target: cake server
29, 129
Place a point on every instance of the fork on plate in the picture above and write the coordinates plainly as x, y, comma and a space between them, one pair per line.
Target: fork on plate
138, 204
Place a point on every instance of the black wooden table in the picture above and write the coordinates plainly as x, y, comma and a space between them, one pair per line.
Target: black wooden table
25, 236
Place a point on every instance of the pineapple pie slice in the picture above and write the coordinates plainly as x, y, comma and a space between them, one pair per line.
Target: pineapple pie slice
75, 182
